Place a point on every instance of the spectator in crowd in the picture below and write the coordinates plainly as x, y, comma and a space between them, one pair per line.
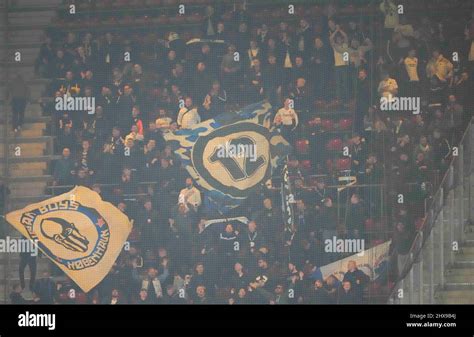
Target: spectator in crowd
64, 169
190, 195
179, 256
188, 115
18, 95
27, 259
45, 288
346, 294
358, 280
339, 43
286, 119
400, 246
16, 297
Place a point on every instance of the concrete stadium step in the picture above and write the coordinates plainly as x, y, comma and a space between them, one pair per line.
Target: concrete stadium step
25, 15
27, 72
25, 50
26, 26
455, 297
21, 18
12, 45
30, 160
13, 272
469, 235
25, 149
31, 179
33, 110
16, 171
36, 90
466, 249
459, 281
31, 185
32, 33
28, 55
460, 277
463, 271
463, 264
18, 202
460, 285
468, 243
28, 188
26, 169
25, 132
34, 3
29, 119
465, 257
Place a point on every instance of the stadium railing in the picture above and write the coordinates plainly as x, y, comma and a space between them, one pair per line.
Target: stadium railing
442, 231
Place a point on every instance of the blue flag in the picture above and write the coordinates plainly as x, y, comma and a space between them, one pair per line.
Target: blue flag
231, 155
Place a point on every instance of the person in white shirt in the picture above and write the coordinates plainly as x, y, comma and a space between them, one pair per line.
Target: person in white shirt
163, 122
190, 195
188, 115
286, 119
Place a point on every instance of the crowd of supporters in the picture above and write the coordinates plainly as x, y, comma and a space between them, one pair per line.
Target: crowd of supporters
325, 76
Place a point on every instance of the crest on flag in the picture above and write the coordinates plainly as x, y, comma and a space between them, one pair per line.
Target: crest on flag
231, 155
78, 231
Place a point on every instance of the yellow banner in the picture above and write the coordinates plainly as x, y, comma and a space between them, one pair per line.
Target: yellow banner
78, 231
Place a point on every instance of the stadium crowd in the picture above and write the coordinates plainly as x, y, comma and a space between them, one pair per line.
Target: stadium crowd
324, 76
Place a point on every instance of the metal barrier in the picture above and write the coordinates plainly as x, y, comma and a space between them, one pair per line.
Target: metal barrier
443, 230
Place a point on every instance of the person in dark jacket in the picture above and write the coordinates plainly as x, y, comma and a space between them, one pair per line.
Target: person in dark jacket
401, 243
320, 295
358, 279
363, 100
346, 294
355, 218
45, 289
441, 150
18, 94
171, 296
27, 259
16, 297
64, 169
272, 79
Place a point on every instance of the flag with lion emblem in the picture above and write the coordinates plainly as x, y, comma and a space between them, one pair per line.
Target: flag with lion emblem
82, 234
231, 155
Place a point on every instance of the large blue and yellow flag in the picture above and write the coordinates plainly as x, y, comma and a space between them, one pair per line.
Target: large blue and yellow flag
82, 234
230, 155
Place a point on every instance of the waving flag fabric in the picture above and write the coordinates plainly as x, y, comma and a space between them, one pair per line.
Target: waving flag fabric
231, 155
79, 232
